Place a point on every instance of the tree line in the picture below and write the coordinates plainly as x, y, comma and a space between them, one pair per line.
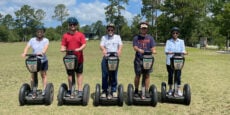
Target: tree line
197, 19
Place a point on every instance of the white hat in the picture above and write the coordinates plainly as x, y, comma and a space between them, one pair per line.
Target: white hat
143, 25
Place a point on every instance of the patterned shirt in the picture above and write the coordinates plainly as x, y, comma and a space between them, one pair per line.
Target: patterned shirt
175, 46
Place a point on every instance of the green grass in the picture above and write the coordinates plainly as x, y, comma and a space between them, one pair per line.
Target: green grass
206, 71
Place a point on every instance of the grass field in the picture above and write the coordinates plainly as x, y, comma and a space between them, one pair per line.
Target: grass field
206, 71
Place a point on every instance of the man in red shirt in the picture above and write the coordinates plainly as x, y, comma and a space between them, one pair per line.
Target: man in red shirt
74, 40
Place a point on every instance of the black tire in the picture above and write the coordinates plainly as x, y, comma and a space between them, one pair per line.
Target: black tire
163, 92
24, 91
61, 93
187, 94
49, 93
153, 93
85, 98
97, 95
120, 95
130, 94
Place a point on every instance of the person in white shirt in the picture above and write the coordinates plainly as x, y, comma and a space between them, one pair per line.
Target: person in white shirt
109, 43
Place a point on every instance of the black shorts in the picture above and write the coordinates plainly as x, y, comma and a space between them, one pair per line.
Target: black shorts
138, 67
44, 66
79, 69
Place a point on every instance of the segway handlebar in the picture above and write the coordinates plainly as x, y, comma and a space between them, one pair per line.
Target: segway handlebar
33, 55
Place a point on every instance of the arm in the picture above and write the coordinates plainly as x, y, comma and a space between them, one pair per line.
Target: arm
167, 48
138, 49
119, 49
153, 49
25, 50
81, 48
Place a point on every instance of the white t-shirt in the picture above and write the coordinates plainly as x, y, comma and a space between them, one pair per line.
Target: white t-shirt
38, 46
112, 43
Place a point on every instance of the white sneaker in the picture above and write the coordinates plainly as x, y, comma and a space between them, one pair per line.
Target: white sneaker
114, 94
103, 95
179, 93
170, 92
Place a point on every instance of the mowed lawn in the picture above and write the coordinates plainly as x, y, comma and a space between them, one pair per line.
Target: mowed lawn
207, 72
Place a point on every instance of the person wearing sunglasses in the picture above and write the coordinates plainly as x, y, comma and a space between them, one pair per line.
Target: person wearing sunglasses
142, 43
76, 41
109, 43
174, 44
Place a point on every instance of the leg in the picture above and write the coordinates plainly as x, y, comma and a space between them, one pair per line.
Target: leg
79, 81
44, 79
170, 76
114, 82
147, 81
104, 75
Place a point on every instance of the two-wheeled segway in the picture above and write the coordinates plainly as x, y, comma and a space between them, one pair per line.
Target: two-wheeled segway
30, 94
147, 63
112, 62
70, 62
177, 63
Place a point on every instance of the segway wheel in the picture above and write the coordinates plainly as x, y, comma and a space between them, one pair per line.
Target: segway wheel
187, 94
130, 94
97, 95
163, 92
120, 95
61, 93
153, 93
85, 98
24, 91
49, 93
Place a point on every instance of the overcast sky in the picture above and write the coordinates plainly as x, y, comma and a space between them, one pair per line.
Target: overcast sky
86, 11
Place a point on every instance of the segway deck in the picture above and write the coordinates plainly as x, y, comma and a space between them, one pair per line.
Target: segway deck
106, 101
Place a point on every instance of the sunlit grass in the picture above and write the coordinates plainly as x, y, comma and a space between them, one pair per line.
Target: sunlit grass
206, 71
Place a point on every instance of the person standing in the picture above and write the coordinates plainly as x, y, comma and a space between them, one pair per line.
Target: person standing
174, 45
141, 43
39, 45
74, 40
109, 43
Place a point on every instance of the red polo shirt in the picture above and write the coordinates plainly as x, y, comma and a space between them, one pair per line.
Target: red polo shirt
73, 41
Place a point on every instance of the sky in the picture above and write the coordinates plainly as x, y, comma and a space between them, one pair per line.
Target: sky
86, 11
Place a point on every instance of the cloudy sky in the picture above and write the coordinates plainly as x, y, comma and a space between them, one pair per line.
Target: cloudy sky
86, 11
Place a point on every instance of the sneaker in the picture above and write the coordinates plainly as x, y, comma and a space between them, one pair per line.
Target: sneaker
43, 92
109, 96
68, 93
136, 93
179, 93
114, 94
103, 95
170, 92
80, 94
147, 94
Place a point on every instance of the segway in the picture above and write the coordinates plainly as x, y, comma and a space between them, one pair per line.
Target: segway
177, 63
70, 62
112, 62
147, 63
30, 94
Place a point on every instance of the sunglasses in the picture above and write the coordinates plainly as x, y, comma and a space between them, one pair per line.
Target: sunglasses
110, 30
175, 33
72, 24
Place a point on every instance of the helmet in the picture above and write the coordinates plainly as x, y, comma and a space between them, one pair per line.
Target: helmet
40, 27
72, 20
175, 29
110, 25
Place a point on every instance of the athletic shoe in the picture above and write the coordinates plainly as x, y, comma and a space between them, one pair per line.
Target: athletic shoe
80, 93
170, 92
147, 94
68, 93
103, 95
179, 93
114, 94
43, 92
136, 93
109, 96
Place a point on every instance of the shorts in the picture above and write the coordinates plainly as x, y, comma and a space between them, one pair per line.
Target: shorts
138, 67
79, 69
44, 66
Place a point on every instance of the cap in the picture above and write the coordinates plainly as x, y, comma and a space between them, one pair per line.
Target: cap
143, 25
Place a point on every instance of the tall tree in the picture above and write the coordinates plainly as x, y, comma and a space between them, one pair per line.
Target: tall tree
8, 21
23, 17
60, 13
113, 13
